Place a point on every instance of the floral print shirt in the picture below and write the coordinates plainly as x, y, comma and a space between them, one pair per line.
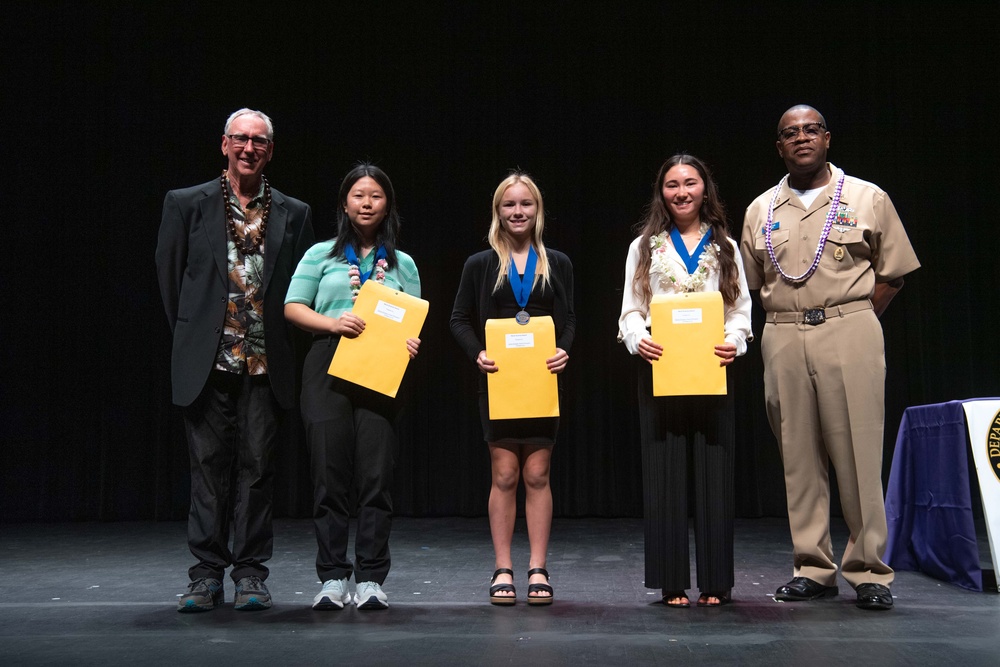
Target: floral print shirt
241, 348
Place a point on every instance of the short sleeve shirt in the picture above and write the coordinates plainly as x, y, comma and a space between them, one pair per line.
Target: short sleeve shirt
867, 244
323, 283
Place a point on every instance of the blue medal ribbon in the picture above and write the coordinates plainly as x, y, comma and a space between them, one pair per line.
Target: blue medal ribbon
690, 260
522, 287
352, 258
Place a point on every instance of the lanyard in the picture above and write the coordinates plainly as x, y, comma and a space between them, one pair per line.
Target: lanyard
522, 287
690, 259
352, 258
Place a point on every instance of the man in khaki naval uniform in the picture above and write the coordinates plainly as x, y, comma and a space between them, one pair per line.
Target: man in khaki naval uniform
824, 361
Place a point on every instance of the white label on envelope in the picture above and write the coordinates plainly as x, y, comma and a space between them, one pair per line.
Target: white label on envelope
686, 315
520, 340
389, 311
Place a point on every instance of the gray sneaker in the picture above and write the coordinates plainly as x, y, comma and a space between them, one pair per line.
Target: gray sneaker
333, 596
251, 595
369, 595
202, 595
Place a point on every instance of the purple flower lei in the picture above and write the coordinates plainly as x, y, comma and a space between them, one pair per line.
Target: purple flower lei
830, 217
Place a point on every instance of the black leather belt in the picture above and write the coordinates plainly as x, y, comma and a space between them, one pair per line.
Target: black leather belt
814, 316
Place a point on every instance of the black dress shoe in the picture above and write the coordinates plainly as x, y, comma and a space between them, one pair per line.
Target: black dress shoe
800, 589
874, 596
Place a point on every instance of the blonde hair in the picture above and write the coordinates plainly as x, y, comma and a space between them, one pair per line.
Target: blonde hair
500, 239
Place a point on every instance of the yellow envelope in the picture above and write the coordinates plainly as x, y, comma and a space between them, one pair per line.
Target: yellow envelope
688, 326
522, 386
377, 358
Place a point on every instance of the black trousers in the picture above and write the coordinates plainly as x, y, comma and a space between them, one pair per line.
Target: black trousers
231, 430
352, 443
687, 451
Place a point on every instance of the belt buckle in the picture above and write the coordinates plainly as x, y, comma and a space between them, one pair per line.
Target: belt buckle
814, 316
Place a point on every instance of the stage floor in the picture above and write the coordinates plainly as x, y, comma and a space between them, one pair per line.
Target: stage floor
105, 593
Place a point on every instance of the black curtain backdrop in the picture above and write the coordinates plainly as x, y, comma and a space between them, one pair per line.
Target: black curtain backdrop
108, 105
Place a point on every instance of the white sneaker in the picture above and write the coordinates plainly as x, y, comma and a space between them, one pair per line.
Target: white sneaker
369, 595
333, 596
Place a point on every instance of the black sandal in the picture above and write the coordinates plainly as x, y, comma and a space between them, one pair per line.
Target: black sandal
504, 588
539, 588
683, 603
723, 598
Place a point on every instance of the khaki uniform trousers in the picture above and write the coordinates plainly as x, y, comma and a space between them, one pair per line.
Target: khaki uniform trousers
824, 389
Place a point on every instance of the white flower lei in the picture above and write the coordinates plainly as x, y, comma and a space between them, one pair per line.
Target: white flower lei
662, 263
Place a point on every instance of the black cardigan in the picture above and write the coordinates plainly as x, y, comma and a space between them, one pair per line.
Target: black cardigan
475, 302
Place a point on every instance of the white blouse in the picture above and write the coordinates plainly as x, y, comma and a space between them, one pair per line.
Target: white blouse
634, 322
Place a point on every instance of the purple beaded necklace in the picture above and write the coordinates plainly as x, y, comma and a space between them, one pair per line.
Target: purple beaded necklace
830, 217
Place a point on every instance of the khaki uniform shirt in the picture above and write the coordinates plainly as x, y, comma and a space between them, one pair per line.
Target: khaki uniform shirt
867, 244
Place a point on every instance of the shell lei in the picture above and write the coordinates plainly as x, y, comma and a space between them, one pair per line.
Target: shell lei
354, 276
661, 263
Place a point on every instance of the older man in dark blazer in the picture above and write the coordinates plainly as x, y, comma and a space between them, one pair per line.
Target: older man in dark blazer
225, 255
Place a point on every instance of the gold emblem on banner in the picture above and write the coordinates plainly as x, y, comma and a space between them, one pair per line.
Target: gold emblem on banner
993, 445
838, 254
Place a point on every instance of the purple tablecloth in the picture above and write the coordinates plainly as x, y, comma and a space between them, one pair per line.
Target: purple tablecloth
928, 502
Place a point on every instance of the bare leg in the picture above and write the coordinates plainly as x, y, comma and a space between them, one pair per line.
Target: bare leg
537, 508
506, 470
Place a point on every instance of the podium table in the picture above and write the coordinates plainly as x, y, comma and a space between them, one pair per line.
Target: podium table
928, 500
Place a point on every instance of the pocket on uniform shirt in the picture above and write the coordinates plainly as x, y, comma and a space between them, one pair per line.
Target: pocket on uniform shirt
846, 246
779, 237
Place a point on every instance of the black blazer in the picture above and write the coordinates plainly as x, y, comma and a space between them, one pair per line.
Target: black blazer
191, 265
475, 302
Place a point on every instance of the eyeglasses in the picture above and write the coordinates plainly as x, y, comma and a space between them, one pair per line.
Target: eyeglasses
240, 140
811, 130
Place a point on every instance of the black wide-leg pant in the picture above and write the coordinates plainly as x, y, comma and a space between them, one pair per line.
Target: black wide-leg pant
687, 451
231, 430
352, 443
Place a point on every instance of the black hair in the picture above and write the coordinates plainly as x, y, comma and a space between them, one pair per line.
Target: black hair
388, 230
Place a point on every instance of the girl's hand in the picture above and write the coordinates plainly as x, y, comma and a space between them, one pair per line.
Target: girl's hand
486, 365
557, 364
649, 350
726, 353
348, 325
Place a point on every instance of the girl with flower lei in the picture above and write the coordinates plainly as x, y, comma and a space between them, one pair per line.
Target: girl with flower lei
684, 246
664, 265
320, 300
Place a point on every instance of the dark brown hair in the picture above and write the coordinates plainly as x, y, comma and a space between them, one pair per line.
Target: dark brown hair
713, 213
